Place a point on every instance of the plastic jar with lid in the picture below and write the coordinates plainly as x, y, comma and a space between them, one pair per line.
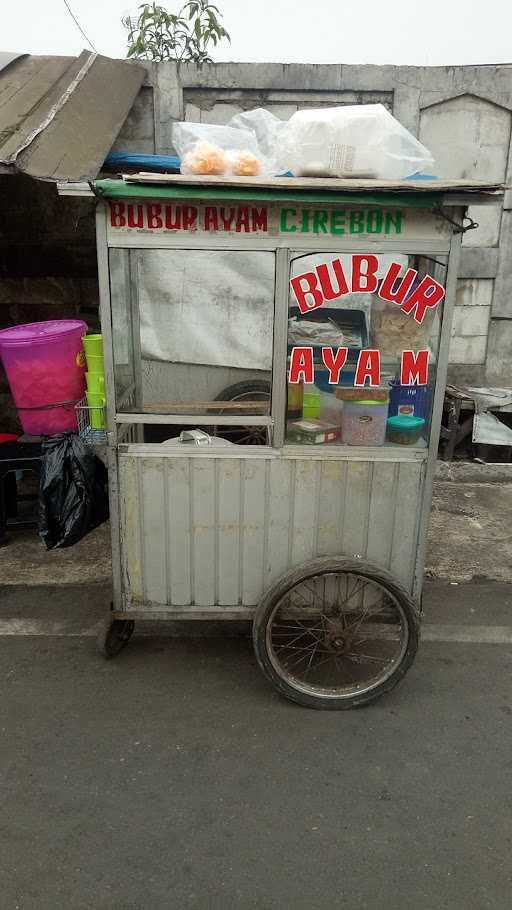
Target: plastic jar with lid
364, 422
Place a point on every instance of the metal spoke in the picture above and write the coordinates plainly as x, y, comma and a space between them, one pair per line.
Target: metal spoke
324, 630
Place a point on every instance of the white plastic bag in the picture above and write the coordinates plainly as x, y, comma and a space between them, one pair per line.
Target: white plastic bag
266, 128
361, 140
206, 148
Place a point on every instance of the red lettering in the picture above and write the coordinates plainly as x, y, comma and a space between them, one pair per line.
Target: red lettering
242, 221
301, 365
211, 218
135, 222
329, 292
153, 212
312, 289
173, 217
227, 219
117, 218
368, 367
334, 362
189, 218
259, 219
387, 289
364, 282
414, 368
428, 294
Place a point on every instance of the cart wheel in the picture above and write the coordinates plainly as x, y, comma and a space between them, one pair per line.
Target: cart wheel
335, 633
114, 635
250, 390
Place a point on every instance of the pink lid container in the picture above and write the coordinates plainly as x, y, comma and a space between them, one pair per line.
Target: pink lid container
45, 366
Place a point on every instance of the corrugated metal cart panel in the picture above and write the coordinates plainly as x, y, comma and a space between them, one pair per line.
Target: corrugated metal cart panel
216, 532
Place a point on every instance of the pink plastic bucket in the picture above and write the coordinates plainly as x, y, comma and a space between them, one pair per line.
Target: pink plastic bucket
45, 366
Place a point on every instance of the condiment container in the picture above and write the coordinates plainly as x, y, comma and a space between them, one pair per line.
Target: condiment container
403, 430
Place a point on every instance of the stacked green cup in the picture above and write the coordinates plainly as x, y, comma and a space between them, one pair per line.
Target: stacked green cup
95, 377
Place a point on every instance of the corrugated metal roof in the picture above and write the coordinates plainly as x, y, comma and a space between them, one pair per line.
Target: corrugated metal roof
59, 116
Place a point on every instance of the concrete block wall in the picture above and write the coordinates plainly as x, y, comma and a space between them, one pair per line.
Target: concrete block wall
463, 114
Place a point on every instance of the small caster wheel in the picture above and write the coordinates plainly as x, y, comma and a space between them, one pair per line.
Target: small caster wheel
114, 635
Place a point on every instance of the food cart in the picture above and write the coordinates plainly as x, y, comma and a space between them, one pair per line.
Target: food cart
330, 301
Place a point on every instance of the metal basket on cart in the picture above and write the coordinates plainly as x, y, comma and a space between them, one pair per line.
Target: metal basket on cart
92, 423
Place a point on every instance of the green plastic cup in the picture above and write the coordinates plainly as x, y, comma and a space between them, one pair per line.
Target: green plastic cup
96, 410
93, 344
95, 383
95, 364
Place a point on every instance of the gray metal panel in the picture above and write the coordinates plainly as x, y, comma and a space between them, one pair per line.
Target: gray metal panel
204, 532
59, 115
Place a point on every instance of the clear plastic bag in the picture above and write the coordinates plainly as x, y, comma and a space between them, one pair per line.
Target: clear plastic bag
206, 148
266, 128
361, 140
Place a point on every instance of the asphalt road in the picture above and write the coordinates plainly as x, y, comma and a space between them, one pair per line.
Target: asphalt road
174, 777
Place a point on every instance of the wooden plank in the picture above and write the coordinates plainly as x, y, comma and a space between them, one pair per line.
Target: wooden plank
255, 494
203, 531
154, 543
228, 531
179, 530
317, 183
305, 511
405, 523
252, 407
332, 507
357, 504
382, 499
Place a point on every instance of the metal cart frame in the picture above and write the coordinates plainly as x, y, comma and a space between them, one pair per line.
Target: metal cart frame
226, 523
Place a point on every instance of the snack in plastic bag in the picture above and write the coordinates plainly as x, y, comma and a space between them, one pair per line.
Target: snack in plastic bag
362, 140
245, 164
206, 148
204, 158
266, 128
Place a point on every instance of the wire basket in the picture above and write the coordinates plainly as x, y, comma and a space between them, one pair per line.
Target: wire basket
88, 417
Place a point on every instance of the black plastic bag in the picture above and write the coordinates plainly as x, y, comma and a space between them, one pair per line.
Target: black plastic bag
73, 496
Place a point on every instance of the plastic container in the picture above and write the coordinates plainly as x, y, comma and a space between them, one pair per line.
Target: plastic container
364, 422
409, 400
95, 383
331, 408
311, 401
93, 344
403, 430
312, 432
95, 363
295, 400
96, 405
45, 366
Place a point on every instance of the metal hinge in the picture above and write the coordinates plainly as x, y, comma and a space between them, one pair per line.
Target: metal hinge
458, 228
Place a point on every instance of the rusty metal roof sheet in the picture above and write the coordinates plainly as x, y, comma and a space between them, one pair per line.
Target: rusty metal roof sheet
59, 116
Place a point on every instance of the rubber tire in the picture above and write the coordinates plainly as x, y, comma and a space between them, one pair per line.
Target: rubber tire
242, 388
114, 635
232, 392
302, 573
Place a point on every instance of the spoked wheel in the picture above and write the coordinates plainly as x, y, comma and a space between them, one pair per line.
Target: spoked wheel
251, 390
114, 635
336, 633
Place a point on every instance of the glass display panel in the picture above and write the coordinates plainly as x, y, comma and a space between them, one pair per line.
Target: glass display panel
363, 338
204, 332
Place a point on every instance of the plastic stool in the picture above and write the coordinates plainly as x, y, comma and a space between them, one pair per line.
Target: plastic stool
16, 456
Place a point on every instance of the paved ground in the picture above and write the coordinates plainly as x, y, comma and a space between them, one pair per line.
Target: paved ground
174, 777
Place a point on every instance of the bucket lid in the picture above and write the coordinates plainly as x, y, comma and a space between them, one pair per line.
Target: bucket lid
40, 332
365, 401
404, 422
